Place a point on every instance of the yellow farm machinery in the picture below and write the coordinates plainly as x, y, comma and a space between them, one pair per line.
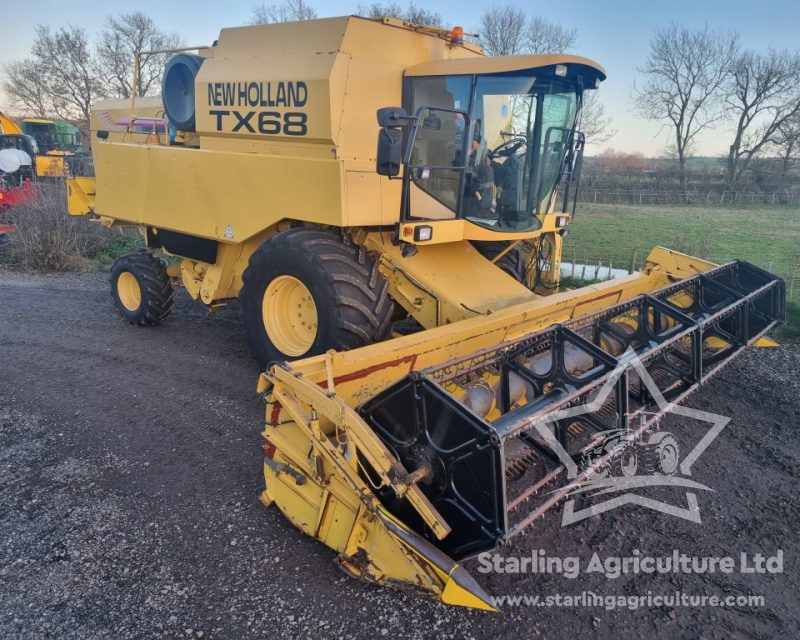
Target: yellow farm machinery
403, 298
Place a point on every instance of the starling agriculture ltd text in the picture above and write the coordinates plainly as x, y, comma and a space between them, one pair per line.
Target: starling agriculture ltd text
637, 563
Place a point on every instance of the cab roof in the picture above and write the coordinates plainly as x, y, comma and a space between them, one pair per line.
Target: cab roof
501, 64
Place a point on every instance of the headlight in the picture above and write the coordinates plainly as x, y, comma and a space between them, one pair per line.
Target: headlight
423, 233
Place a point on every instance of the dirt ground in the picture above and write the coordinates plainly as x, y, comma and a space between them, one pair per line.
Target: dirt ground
130, 467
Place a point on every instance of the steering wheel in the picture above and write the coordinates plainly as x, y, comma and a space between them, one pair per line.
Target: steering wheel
509, 147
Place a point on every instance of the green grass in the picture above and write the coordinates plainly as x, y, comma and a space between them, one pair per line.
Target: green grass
123, 242
623, 234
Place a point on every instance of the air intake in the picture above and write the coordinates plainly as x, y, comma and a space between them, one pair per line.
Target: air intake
177, 89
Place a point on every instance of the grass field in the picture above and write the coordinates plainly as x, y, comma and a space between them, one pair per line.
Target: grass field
623, 234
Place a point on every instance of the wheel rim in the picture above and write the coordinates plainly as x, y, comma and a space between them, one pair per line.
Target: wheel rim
628, 463
128, 290
290, 315
669, 459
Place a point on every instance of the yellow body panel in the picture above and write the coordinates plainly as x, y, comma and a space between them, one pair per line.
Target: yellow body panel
113, 116
80, 195
8, 126
445, 283
228, 196
50, 166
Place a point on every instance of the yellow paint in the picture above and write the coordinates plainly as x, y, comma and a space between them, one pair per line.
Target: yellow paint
444, 283
50, 166
289, 315
80, 195
129, 291
766, 342
8, 126
454, 593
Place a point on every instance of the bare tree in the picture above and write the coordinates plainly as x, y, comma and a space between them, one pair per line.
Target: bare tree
502, 31
762, 94
594, 123
543, 36
684, 73
286, 11
122, 38
507, 30
786, 143
25, 85
411, 13
58, 79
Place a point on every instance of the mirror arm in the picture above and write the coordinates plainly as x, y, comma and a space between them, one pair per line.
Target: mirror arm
576, 166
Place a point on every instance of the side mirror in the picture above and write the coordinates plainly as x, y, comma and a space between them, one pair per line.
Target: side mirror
577, 167
392, 117
432, 122
390, 141
390, 152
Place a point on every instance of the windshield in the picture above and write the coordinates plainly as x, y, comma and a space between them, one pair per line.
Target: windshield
43, 133
522, 127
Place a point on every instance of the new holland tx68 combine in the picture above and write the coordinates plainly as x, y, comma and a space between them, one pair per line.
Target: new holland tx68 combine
262, 176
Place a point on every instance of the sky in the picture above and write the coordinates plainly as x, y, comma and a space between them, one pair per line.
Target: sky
615, 33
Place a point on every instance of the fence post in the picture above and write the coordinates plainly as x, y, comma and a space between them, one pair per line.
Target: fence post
595, 196
633, 260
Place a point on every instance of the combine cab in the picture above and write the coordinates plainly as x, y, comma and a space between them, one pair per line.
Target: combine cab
277, 170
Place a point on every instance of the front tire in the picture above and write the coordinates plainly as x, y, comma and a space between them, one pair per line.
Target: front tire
513, 262
306, 290
626, 463
662, 454
141, 289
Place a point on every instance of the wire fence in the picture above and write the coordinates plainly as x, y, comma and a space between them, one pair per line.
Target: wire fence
584, 268
702, 198
605, 241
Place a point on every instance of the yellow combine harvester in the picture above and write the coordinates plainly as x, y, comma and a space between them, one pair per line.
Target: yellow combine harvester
46, 165
261, 173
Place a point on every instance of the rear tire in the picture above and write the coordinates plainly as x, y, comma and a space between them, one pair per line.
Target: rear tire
306, 276
513, 262
661, 454
141, 289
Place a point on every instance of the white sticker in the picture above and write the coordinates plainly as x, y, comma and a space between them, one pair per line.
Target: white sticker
229, 231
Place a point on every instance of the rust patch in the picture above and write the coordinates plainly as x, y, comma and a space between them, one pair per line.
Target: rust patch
275, 414
610, 294
363, 373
